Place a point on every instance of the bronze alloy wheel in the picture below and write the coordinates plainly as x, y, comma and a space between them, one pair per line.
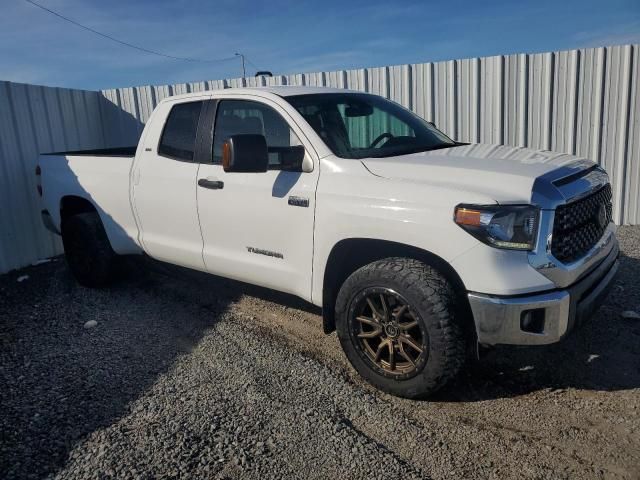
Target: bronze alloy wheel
387, 332
396, 323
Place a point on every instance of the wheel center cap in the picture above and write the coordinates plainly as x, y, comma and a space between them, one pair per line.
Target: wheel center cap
391, 330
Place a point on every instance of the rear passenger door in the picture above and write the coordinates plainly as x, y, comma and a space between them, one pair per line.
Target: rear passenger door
258, 227
164, 185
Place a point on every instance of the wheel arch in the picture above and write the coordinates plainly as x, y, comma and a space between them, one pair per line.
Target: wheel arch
350, 254
121, 241
74, 204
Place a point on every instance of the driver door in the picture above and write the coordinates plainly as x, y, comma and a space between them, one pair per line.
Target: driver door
258, 227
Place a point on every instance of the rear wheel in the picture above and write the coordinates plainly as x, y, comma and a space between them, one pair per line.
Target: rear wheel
88, 251
396, 323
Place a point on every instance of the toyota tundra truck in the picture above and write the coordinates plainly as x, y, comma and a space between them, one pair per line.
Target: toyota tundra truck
418, 248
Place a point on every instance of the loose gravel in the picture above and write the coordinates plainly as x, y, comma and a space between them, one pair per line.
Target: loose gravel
174, 376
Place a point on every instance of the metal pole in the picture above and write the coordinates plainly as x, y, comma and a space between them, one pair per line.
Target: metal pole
241, 55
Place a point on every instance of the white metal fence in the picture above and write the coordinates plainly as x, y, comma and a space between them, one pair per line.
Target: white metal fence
585, 102
37, 119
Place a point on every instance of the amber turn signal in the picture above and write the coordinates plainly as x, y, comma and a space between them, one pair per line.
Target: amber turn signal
226, 155
465, 216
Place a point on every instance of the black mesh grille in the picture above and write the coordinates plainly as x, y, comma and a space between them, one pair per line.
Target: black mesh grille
579, 225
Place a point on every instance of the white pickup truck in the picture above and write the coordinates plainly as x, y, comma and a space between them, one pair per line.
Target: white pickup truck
417, 248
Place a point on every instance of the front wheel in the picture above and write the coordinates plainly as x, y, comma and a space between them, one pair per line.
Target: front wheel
396, 323
88, 251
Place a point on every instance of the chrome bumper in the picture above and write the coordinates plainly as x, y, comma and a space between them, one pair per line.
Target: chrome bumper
561, 274
543, 318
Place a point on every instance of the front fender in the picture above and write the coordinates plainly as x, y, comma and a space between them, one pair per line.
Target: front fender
351, 202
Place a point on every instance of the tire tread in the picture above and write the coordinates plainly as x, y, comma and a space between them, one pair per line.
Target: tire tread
96, 245
435, 296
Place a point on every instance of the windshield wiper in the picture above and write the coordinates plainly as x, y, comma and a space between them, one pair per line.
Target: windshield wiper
444, 145
416, 150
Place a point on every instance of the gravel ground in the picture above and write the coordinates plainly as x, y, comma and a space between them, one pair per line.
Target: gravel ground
197, 377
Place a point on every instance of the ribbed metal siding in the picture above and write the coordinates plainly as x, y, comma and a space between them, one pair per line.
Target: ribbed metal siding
37, 119
585, 102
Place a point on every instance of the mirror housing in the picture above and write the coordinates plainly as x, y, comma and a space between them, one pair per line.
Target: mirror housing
432, 124
358, 110
292, 158
245, 153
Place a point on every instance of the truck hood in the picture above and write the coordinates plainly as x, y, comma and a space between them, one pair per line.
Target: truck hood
504, 174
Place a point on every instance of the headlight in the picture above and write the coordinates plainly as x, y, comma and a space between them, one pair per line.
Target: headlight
511, 226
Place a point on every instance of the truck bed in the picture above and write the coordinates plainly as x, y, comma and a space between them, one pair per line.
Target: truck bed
101, 177
99, 152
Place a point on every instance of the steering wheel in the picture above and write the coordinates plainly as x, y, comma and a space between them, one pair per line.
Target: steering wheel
381, 137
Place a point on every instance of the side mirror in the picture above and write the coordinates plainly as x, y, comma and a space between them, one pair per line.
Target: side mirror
432, 124
292, 158
245, 153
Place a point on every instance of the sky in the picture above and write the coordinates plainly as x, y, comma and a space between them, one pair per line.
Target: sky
286, 36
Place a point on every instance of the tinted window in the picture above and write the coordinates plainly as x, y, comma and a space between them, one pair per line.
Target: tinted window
179, 135
357, 125
237, 117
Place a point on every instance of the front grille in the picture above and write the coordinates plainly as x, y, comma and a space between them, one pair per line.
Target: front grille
579, 225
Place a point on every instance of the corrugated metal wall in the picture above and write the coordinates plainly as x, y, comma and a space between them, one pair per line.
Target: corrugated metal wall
37, 119
585, 102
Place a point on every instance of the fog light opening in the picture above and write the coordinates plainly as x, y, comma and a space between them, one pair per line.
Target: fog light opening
532, 321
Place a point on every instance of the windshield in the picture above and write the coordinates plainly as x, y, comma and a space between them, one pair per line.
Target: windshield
358, 125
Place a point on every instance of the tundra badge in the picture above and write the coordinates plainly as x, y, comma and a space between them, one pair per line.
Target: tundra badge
268, 253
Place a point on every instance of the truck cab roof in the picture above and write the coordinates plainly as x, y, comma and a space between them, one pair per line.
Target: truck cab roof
280, 90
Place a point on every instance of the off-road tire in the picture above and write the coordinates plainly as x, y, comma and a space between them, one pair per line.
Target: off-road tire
88, 251
432, 300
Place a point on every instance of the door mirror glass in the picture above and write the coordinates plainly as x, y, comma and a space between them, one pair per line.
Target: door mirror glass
245, 153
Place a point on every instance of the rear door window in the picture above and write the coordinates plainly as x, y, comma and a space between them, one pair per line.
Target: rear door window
179, 135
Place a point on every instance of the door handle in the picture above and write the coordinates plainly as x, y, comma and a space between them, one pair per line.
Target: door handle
212, 184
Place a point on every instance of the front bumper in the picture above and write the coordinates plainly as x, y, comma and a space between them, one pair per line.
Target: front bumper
542, 318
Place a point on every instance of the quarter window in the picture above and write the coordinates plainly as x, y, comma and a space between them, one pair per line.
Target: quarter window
179, 134
236, 117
